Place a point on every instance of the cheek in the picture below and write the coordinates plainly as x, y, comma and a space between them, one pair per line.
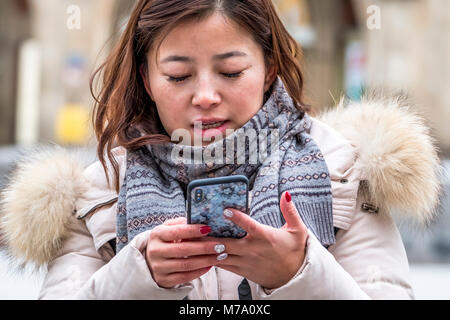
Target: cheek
248, 99
169, 103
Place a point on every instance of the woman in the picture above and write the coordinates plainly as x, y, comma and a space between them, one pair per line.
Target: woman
319, 224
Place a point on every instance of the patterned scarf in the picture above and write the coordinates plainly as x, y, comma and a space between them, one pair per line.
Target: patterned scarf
288, 159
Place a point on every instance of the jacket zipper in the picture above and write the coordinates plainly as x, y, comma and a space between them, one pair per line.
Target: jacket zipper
98, 206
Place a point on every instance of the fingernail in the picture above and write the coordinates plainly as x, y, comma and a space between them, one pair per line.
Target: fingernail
227, 213
219, 248
288, 196
205, 229
222, 256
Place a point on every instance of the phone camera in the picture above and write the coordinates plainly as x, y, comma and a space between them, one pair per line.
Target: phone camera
198, 195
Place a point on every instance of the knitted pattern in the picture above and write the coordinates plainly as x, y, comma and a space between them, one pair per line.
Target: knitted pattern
156, 176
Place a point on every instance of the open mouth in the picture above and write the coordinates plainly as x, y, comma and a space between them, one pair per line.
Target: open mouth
211, 128
211, 125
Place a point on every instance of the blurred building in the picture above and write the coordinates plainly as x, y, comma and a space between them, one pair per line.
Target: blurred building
14, 28
349, 46
52, 47
411, 52
392, 46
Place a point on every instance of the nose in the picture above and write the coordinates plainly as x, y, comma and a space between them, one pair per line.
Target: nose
206, 95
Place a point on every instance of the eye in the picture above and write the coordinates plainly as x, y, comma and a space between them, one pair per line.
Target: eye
179, 79
232, 75
228, 75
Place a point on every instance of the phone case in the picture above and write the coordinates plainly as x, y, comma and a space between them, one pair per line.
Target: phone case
207, 198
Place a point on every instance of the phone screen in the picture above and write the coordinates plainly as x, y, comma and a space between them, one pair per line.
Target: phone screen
207, 198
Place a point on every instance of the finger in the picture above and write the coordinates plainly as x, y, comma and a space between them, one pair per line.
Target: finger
193, 248
290, 213
181, 232
232, 245
173, 279
188, 264
253, 227
175, 221
233, 269
231, 261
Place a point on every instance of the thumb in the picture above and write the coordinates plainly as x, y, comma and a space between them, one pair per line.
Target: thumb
290, 213
175, 221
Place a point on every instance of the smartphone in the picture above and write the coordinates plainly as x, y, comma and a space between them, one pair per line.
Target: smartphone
207, 198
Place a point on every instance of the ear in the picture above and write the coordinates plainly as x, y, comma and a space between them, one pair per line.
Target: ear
271, 74
144, 77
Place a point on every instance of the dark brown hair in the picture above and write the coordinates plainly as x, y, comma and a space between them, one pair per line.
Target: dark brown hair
123, 102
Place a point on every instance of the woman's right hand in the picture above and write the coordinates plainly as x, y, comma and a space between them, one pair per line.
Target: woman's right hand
175, 255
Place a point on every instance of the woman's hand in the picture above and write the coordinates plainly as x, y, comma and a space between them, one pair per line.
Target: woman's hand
175, 256
266, 255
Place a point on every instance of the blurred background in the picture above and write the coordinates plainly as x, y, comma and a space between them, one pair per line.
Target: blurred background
49, 48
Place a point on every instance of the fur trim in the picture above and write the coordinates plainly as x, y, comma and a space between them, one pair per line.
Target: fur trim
396, 154
38, 203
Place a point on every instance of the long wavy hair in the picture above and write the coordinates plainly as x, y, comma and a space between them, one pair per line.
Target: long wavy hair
122, 101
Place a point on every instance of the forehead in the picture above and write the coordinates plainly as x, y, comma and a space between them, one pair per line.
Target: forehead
213, 35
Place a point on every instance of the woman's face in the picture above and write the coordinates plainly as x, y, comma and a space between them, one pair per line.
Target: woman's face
208, 72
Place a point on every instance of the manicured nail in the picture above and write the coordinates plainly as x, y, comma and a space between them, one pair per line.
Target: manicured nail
227, 213
205, 229
222, 256
288, 196
219, 248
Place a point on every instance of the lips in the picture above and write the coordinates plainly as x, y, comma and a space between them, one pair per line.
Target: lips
212, 125
209, 127
208, 123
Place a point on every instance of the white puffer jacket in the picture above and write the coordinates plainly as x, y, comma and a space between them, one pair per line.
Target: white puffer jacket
57, 214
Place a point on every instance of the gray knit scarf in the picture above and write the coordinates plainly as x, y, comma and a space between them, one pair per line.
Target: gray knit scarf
156, 176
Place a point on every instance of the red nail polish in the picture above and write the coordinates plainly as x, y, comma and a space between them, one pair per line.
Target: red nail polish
288, 196
205, 229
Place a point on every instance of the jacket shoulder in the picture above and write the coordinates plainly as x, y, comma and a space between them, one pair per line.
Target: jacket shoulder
396, 155
340, 156
39, 203
100, 189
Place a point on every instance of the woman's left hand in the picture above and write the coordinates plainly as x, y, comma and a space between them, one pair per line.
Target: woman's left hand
266, 255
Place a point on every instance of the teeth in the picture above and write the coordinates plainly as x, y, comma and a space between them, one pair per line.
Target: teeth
212, 125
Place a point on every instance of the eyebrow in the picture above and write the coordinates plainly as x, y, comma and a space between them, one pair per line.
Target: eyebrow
221, 56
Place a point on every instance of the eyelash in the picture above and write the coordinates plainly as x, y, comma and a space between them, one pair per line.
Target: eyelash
228, 75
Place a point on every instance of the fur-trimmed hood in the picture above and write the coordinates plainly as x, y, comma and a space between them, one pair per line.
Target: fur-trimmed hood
396, 156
